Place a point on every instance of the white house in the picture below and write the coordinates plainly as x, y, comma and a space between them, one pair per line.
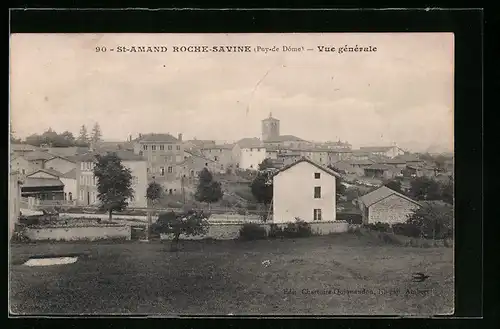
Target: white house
386, 206
305, 190
252, 152
386, 151
70, 189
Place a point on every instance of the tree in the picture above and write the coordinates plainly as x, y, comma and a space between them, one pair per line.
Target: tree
114, 183
96, 133
208, 190
447, 191
262, 187
188, 223
154, 193
424, 188
435, 220
339, 187
395, 185
13, 138
83, 138
266, 164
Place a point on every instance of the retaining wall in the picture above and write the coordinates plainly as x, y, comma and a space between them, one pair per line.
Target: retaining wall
231, 231
79, 233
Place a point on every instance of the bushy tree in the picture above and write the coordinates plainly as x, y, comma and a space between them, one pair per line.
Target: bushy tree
266, 164
447, 191
435, 220
394, 184
262, 188
154, 192
189, 223
114, 183
208, 190
424, 188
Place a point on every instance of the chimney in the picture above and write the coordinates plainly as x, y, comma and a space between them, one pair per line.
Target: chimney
179, 137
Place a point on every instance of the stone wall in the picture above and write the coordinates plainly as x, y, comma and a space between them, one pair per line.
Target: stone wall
232, 231
79, 233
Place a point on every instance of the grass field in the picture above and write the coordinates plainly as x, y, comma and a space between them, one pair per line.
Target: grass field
304, 276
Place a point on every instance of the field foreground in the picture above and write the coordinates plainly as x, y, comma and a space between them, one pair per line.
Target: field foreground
330, 275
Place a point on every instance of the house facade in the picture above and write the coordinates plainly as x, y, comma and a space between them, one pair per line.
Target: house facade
224, 155
70, 186
20, 164
162, 153
386, 206
251, 153
313, 201
15, 184
86, 182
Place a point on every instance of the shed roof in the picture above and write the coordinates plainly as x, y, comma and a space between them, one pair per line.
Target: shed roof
381, 193
42, 182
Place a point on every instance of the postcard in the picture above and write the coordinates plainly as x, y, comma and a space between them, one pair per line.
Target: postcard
232, 174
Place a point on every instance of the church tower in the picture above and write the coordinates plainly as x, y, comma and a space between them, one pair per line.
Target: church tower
270, 128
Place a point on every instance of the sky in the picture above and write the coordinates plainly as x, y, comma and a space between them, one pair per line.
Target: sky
402, 93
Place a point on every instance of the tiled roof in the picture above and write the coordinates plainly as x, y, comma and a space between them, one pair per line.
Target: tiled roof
67, 151
343, 166
38, 155
407, 158
360, 162
327, 170
220, 146
41, 182
376, 148
250, 143
285, 138
164, 138
124, 155
70, 174
52, 172
23, 147
379, 166
380, 194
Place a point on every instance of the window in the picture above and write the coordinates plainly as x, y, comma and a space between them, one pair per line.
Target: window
169, 169
317, 175
82, 181
220, 150
80, 196
317, 192
70, 196
216, 158
95, 181
317, 214
135, 180
147, 170
222, 167
24, 171
162, 171
170, 147
141, 153
144, 147
178, 147
153, 147
251, 150
162, 147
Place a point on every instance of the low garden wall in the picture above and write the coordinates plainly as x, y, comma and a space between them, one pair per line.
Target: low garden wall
88, 233
231, 231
